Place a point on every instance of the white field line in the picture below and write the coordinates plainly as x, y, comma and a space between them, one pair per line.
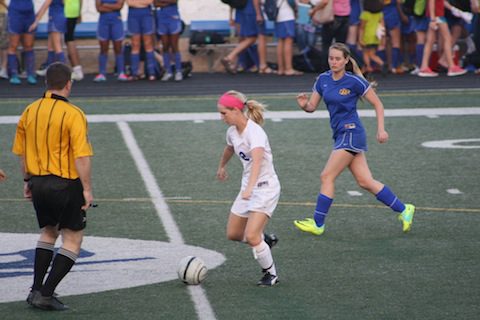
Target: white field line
199, 298
204, 116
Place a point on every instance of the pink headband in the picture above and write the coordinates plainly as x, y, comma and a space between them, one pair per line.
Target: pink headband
230, 101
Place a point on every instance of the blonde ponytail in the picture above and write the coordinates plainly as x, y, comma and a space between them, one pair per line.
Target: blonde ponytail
253, 109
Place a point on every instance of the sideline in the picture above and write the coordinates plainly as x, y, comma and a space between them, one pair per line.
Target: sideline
205, 116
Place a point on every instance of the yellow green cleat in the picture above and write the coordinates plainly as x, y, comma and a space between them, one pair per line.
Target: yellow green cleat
309, 225
407, 217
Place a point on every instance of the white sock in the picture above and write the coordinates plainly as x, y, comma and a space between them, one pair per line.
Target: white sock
263, 255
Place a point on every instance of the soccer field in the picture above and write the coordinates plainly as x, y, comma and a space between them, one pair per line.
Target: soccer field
154, 180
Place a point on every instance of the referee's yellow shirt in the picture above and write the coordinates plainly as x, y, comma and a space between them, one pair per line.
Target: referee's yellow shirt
51, 134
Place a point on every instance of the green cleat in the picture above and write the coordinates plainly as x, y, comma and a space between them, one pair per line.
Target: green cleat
309, 225
407, 217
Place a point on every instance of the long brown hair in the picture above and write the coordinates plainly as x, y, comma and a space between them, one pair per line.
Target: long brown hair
351, 65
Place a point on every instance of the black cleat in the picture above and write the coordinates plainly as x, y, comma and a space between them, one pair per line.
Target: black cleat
48, 303
270, 239
268, 280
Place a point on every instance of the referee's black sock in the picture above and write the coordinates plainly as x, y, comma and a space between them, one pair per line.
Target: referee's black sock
63, 262
43, 258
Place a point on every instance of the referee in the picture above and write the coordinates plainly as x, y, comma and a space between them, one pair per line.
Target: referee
54, 150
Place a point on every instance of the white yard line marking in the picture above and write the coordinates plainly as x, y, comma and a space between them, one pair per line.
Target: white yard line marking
153, 117
199, 298
454, 191
354, 193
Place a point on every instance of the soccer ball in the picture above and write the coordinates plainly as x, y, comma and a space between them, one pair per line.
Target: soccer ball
191, 270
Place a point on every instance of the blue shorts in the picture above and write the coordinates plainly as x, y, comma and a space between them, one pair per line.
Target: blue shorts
57, 23
140, 21
354, 18
391, 18
110, 27
285, 29
168, 24
354, 139
20, 21
409, 27
420, 24
248, 26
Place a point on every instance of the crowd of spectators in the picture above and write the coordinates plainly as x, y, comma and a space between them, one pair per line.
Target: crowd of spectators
421, 37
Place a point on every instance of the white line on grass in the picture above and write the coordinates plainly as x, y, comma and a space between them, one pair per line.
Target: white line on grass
454, 191
354, 193
190, 116
202, 305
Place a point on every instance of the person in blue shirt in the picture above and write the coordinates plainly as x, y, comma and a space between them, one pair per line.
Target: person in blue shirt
21, 15
110, 28
341, 89
169, 27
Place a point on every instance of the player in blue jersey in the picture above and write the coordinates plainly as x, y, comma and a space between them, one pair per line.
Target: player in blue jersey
140, 27
21, 15
110, 27
169, 27
341, 89
57, 26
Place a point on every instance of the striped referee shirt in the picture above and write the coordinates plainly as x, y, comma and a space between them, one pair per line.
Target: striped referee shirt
51, 134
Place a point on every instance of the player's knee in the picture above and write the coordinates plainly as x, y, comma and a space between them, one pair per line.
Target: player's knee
253, 239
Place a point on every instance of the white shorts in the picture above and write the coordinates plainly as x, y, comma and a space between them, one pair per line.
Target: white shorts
264, 199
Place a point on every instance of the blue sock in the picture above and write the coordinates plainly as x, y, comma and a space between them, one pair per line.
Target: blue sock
178, 62
381, 54
166, 62
150, 63
120, 63
60, 56
30, 62
253, 54
321, 210
135, 62
395, 57
12, 64
50, 57
102, 63
388, 198
419, 54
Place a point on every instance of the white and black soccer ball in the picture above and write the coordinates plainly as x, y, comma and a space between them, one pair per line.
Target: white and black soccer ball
192, 270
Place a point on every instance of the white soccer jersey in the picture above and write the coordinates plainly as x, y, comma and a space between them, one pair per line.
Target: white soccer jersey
253, 136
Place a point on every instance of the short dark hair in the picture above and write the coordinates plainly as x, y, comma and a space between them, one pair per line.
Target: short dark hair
58, 75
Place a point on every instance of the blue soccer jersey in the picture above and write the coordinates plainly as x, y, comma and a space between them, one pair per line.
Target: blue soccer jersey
341, 98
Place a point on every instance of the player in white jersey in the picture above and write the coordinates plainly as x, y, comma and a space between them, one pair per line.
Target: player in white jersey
260, 189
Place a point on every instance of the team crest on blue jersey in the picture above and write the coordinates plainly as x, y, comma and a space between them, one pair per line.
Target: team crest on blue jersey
344, 92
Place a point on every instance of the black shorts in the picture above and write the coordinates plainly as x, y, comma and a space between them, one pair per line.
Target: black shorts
70, 34
58, 201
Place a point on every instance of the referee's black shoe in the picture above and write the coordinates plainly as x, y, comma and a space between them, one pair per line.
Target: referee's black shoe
48, 303
270, 239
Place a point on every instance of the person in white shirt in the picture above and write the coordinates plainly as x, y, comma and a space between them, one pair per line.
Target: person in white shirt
260, 187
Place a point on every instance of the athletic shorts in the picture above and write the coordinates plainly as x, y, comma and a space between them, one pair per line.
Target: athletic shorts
408, 28
70, 33
352, 139
170, 25
421, 24
354, 17
248, 26
140, 21
57, 23
58, 201
285, 29
264, 199
20, 21
110, 27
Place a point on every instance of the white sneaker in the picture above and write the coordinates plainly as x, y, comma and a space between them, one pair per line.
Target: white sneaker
167, 76
178, 76
77, 73
3, 73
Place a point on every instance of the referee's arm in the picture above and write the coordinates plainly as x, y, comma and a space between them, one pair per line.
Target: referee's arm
84, 169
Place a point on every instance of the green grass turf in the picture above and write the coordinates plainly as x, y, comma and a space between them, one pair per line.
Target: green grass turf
364, 267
